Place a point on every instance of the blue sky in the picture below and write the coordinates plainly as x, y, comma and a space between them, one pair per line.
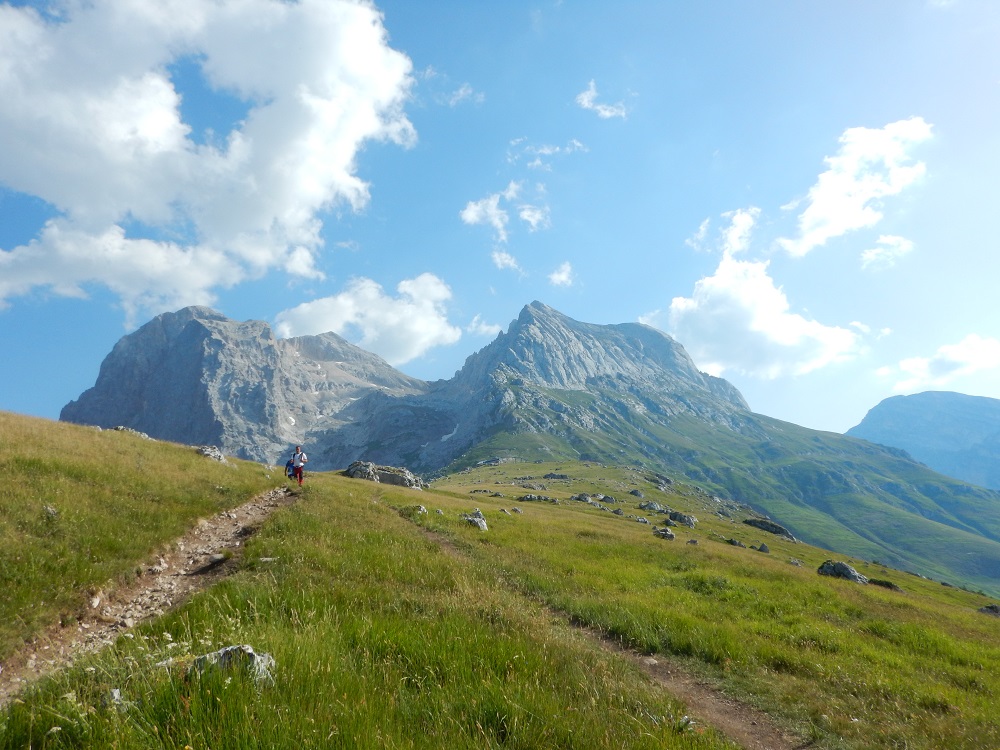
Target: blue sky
803, 194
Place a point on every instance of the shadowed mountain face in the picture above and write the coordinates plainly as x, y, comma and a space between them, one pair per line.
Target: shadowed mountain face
549, 388
954, 434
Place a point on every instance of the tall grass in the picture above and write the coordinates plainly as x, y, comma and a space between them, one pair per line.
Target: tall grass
395, 628
859, 665
382, 638
80, 508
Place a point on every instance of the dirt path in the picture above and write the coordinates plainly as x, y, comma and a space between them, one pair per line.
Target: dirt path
204, 555
748, 727
201, 557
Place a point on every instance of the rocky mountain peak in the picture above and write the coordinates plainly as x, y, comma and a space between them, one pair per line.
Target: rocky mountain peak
548, 348
196, 376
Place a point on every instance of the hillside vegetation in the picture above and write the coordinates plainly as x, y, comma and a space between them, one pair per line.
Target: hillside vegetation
394, 627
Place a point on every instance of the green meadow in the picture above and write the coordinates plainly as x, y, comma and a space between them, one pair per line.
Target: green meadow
391, 627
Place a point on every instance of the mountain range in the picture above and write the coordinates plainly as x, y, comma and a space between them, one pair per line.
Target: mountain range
548, 388
953, 433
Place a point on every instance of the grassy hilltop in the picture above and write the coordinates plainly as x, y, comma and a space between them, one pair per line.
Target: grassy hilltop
396, 628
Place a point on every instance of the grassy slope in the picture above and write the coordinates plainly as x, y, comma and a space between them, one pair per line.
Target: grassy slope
843, 493
392, 628
80, 507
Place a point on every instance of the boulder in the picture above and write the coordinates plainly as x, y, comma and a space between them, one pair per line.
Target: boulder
841, 570
884, 584
399, 477
664, 534
477, 519
212, 452
991, 609
769, 526
684, 519
259, 666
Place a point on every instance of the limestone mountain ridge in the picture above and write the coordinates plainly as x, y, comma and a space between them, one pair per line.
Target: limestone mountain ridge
549, 388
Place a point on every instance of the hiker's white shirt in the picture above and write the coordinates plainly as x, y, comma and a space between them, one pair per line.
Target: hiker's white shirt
299, 459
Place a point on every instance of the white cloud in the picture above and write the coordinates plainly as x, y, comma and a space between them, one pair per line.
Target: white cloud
463, 93
541, 156
503, 259
872, 164
491, 212
478, 327
488, 211
736, 237
890, 249
93, 126
651, 318
697, 240
588, 100
737, 319
537, 217
398, 329
562, 276
971, 355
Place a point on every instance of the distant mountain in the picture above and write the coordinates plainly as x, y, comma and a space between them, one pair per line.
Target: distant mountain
954, 434
549, 388
197, 377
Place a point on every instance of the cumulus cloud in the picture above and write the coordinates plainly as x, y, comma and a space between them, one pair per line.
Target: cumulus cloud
971, 355
588, 100
889, 248
697, 240
493, 211
92, 124
488, 210
398, 329
872, 164
739, 320
536, 217
562, 276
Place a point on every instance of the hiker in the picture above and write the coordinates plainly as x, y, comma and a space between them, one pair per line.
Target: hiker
299, 460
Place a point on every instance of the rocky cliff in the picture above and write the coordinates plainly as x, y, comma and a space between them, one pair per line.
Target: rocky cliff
197, 377
548, 374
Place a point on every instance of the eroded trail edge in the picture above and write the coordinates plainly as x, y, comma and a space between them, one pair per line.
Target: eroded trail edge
208, 552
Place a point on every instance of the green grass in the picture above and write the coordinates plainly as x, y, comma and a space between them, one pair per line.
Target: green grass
393, 628
80, 508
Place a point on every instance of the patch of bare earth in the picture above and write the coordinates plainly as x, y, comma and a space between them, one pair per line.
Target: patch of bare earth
746, 726
192, 563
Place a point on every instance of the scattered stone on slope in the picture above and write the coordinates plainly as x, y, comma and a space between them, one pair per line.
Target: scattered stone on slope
212, 452
476, 518
841, 570
259, 666
991, 609
664, 533
685, 519
884, 584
